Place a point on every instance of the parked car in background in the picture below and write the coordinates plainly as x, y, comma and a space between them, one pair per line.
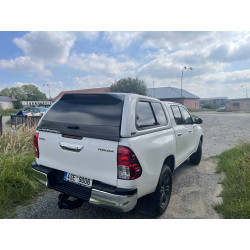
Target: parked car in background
36, 111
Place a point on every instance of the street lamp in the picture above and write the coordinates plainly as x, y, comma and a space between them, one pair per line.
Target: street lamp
181, 80
46, 84
246, 89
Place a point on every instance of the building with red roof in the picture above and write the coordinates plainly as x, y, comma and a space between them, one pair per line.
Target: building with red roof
95, 90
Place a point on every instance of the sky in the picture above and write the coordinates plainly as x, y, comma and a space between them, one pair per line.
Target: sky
78, 60
91, 59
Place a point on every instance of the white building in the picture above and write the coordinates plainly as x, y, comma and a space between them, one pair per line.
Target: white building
35, 103
6, 102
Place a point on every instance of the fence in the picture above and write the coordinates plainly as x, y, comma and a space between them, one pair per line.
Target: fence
29, 121
1, 125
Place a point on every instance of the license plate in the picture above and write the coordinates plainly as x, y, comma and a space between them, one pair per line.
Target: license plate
77, 179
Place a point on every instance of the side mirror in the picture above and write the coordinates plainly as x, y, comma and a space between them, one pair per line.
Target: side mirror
198, 120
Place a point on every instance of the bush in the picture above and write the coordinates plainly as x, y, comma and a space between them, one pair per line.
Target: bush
18, 182
8, 112
211, 105
18, 105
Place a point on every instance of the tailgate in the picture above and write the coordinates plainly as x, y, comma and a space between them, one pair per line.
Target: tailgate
91, 158
80, 134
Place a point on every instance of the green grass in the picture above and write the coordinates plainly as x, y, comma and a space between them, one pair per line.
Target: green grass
8, 112
236, 185
19, 184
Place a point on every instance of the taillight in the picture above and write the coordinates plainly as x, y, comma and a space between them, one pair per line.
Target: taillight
36, 148
128, 165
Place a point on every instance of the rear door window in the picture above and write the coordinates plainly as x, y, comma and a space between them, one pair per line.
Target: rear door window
159, 113
177, 115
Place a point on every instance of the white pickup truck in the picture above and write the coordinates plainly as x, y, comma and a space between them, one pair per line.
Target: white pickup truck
115, 150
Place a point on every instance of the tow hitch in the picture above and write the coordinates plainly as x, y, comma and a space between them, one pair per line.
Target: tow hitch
64, 202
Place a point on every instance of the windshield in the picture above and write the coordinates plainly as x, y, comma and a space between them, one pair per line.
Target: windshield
42, 109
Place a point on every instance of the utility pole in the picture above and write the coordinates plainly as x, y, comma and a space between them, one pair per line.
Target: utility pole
46, 84
181, 81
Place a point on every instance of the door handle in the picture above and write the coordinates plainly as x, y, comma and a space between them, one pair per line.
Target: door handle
189, 131
179, 134
70, 147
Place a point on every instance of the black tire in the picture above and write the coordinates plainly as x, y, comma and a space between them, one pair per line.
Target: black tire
195, 158
156, 203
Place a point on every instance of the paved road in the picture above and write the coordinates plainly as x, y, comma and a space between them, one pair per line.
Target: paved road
195, 188
223, 130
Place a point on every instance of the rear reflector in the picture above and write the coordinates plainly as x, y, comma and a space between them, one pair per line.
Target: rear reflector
128, 166
36, 148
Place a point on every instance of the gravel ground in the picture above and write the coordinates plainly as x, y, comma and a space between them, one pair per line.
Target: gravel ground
223, 131
195, 188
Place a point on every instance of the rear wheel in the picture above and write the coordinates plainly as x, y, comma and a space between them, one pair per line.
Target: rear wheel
156, 203
195, 158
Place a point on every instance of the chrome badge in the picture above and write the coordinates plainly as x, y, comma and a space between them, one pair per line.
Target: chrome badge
110, 150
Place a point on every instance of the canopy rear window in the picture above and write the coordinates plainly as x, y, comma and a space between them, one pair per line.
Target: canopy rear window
87, 115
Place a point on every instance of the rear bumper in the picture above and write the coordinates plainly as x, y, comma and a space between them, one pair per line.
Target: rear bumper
121, 203
103, 195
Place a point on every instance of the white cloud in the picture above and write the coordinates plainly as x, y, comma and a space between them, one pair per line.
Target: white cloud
40, 49
3, 86
55, 87
232, 50
88, 35
56, 84
174, 40
103, 64
121, 39
160, 57
92, 81
169, 40
48, 47
44, 74
21, 64
223, 47
169, 65
20, 84
208, 85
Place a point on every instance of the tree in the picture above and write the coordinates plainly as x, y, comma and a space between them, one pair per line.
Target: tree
211, 104
18, 105
129, 85
18, 93
5, 92
33, 93
28, 92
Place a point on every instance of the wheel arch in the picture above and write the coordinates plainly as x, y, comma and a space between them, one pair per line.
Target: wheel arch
201, 139
170, 161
